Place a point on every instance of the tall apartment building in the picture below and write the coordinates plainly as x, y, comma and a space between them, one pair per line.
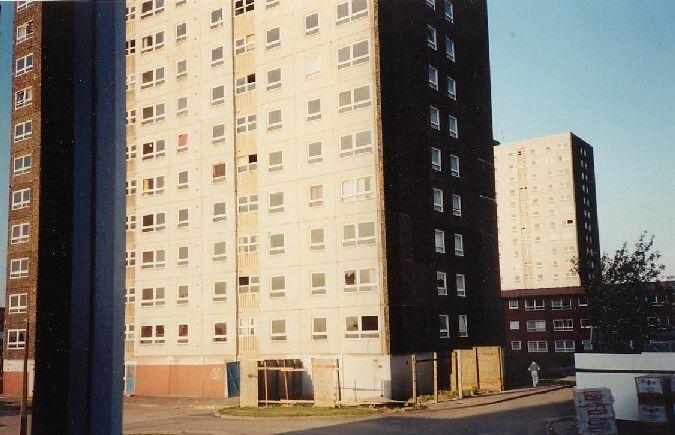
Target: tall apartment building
24, 194
547, 221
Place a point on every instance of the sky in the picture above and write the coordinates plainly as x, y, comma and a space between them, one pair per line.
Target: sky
604, 70
5, 113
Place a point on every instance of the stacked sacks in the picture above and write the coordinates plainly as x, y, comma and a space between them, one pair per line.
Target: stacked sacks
655, 399
595, 413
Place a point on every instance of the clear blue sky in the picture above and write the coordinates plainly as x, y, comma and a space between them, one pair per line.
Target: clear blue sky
5, 113
606, 71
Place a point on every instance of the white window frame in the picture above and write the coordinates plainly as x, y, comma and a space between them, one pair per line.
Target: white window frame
152, 42
157, 222
277, 244
364, 234
312, 113
312, 155
243, 6
357, 188
359, 332
21, 198
434, 118
219, 291
216, 18
319, 333
432, 37
433, 78
441, 283
157, 336
247, 243
364, 280
563, 325
456, 205
246, 123
513, 306
272, 164
23, 130
451, 87
460, 282
183, 256
19, 233
317, 289
439, 235
279, 335
156, 185
274, 84
562, 346
437, 199
276, 124
561, 306
180, 338
156, 148
158, 297
157, 260
516, 345
219, 251
443, 326
436, 165
535, 306
156, 76
17, 303
346, 56
249, 284
181, 69
320, 243
155, 113
22, 165
353, 144
312, 29
514, 325
450, 49
453, 126
244, 45
353, 104
16, 339
273, 43
536, 325
222, 337
448, 11
318, 200
217, 95
459, 245
23, 97
245, 83
277, 286
23, 65
463, 322
351, 14
247, 327
215, 59
247, 203
454, 161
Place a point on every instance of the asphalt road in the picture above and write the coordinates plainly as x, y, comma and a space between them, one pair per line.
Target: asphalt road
524, 416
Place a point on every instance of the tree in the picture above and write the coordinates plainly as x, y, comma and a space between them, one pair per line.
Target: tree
617, 303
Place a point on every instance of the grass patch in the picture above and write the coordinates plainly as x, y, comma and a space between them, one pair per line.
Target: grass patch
298, 411
444, 395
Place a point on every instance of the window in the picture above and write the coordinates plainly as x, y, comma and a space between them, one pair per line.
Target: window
449, 49
277, 244
515, 345
312, 24
153, 259
453, 129
564, 346
216, 18
246, 123
219, 212
245, 84
358, 188
431, 37
151, 7
360, 280
563, 325
583, 301
217, 95
312, 66
454, 166
249, 284
153, 185
319, 329
356, 143
218, 172
451, 88
220, 332
181, 106
561, 303
20, 199
21, 5
314, 152
278, 330
444, 326
318, 283
243, 6
217, 133
23, 130
152, 114
152, 42
269, 4
244, 45
22, 164
18, 303
247, 326
358, 234
274, 120
434, 118
433, 78
217, 56
438, 199
460, 280
152, 334
129, 332
534, 304
152, 296
23, 97
513, 304
441, 283
273, 38
314, 109
130, 258
183, 255
456, 205
181, 69
153, 150
219, 251
183, 180
463, 325
450, 17
277, 286
182, 334
317, 239
19, 233
24, 64
219, 291
514, 325
584, 323
431, 4
353, 54
275, 161
351, 10
248, 243
16, 338
435, 159
459, 245
181, 32
183, 296
130, 47
247, 203
274, 79
130, 13
130, 82
316, 195
439, 241
153, 222
354, 99
362, 327
536, 325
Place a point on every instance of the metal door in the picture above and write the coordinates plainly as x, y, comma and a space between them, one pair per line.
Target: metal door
232, 379
129, 378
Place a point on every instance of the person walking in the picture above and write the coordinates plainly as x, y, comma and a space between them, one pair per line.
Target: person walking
534, 372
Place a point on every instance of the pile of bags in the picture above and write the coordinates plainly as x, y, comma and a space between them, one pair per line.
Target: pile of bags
595, 411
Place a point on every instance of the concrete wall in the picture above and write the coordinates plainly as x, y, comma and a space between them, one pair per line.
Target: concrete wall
618, 372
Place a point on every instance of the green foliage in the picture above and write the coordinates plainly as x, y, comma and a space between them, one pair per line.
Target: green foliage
616, 297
